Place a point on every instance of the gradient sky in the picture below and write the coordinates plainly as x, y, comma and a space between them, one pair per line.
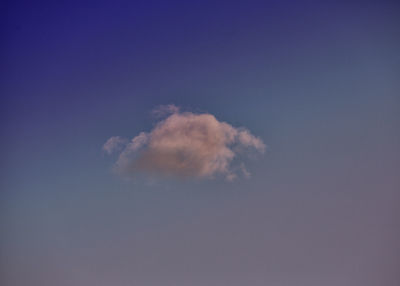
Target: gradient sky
318, 81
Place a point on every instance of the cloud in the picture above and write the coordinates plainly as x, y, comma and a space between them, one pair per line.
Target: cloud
163, 110
186, 144
114, 144
245, 172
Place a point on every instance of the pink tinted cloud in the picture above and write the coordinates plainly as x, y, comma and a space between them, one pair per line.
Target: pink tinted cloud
114, 144
187, 145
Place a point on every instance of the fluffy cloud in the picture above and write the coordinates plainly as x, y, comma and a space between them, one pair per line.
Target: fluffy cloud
185, 144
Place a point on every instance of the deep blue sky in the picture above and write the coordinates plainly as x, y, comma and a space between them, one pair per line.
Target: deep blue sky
318, 81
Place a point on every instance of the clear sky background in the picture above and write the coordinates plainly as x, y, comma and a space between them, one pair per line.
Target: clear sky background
318, 81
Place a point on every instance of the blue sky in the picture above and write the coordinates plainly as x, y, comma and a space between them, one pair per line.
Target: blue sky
316, 81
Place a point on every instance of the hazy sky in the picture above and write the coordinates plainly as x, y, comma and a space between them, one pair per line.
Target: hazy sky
316, 81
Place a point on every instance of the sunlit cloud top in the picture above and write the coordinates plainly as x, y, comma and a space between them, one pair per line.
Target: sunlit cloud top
185, 145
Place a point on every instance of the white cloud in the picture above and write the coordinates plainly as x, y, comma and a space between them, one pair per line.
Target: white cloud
186, 145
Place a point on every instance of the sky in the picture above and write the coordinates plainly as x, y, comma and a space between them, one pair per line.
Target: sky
315, 82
